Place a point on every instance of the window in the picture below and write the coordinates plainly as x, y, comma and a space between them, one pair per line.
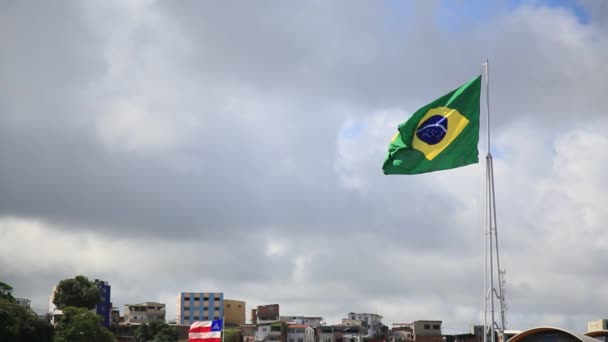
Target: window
186, 318
205, 298
186, 308
427, 326
228, 305
196, 318
216, 299
264, 329
196, 299
435, 326
186, 298
300, 339
291, 340
239, 305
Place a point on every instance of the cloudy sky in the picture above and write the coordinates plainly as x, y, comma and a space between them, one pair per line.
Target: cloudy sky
172, 146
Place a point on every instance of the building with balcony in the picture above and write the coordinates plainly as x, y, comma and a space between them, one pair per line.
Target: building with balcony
234, 312
200, 306
144, 312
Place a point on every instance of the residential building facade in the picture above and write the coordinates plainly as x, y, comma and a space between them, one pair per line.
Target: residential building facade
300, 333
276, 331
234, 312
427, 331
144, 312
371, 321
200, 306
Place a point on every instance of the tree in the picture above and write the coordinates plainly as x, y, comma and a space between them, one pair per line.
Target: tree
78, 292
5, 292
232, 335
20, 324
156, 331
81, 325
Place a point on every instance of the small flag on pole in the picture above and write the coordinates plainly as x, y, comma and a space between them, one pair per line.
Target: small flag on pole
205, 331
439, 136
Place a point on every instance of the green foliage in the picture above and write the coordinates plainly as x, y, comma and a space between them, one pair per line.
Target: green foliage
232, 335
156, 332
81, 325
5, 292
19, 324
78, 292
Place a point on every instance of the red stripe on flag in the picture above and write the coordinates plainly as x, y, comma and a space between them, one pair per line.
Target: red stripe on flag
205, 340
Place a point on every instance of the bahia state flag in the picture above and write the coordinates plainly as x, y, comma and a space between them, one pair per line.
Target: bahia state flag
439, 136
205, 331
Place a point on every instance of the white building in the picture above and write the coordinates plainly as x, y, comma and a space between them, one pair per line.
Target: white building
373, 322
306, 320
269, 332
23, 302
144, 312
300, 333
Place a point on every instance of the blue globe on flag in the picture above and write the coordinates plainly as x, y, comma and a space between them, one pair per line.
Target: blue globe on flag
433, 129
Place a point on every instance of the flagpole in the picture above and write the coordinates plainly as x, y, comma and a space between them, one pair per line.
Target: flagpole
491, 240
223, 331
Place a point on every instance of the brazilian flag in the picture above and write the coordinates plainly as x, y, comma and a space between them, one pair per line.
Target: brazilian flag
439, 136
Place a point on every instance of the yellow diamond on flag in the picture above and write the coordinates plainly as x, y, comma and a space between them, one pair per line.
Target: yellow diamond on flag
437, 129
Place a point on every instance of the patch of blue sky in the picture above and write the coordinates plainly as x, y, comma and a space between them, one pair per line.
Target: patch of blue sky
353, 130
398, 12
574, 6
462, 15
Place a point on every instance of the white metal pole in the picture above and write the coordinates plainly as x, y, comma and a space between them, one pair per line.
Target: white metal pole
491, 214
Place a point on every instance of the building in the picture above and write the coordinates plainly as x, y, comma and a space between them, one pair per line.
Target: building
306, 320
300, 333
115, 318
600, 324
200, 306
234, 312
352, 322
265, 314
373, 322
475, 334
403, 332
276, 331
427, 331
349, 333
23, 302
104, 308
248, 332
144, 312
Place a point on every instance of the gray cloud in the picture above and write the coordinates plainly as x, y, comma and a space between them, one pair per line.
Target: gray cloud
237, 147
